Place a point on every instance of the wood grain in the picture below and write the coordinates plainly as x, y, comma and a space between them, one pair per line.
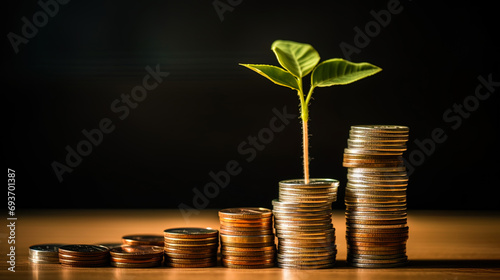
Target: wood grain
442, 245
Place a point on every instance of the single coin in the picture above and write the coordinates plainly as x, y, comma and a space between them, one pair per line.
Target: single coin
245, 213
143, 239
136, 260
83, 250
191, 232
136, 251
45, 249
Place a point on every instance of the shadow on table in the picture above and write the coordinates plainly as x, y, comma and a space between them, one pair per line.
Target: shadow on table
422, 264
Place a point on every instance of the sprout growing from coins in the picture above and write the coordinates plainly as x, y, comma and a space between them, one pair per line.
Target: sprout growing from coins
298, 60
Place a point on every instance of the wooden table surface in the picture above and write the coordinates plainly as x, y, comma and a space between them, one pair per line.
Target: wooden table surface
442, 245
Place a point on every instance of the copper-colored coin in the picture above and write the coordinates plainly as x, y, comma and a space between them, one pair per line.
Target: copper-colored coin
268, 248
143, 239
196, 251
136, 260
190, 232
84, 262
247, 255
245, 229
249, 245
245, 213
246, 221
247, 238
252, 266
83, 257
244, 262
192, 241
240, 232
83, 250
246, 225
191, 247
189, 256
137, 251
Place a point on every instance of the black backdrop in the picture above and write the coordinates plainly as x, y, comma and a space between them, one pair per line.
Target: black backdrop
71, 74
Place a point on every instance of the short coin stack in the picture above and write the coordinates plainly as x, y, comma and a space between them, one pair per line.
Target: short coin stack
303, 223
134, 256
376, 225
191, 247
247, 239
143, 239
84, 255
44, 253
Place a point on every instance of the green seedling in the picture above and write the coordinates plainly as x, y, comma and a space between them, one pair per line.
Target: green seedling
298, 60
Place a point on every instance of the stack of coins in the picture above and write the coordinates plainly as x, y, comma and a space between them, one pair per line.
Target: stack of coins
134, 256
191, 247
303, 223
143, 239
247, 239
44, 253
84, 255
376, 228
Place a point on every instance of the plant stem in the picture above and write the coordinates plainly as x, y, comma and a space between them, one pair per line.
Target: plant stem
304, 114
305, 148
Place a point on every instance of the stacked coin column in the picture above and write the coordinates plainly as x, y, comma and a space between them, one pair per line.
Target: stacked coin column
247, 239
191, 247
303, 223
375, 197
136, 256
44, 253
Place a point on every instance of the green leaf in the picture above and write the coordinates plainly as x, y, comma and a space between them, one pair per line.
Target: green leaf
275, 74
298, 58
337, 71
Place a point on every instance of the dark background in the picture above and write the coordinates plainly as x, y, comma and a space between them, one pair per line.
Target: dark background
66, 77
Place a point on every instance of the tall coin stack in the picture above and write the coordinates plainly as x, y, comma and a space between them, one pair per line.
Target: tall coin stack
247, 239
303, 223
191, 247
375, 197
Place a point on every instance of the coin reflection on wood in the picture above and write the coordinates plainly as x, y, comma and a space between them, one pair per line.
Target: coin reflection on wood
247, 239
375, 196
191, 247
